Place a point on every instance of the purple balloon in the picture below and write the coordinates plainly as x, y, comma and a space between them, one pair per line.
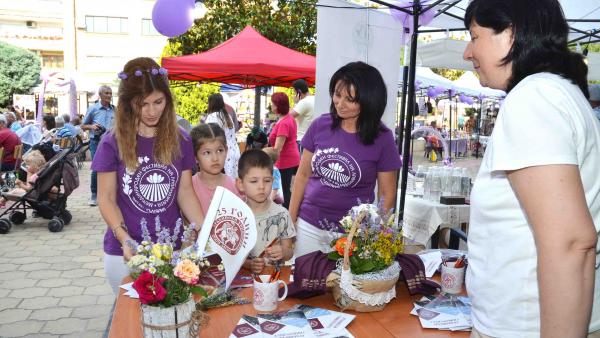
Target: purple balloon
172, 17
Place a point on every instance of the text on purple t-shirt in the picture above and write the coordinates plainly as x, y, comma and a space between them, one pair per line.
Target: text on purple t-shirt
148, 192
344, 171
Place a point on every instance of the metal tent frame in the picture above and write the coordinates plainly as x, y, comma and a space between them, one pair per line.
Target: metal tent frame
444, 9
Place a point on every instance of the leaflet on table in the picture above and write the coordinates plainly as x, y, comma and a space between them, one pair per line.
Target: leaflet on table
320, 318
444, 312
247, 327
288, 324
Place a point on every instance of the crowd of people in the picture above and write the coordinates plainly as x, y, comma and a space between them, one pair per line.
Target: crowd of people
535, 204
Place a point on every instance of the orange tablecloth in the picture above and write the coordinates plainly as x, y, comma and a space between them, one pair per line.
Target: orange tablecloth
394, 321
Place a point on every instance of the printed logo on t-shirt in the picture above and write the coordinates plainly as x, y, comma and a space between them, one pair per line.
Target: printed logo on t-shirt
151, 188
336, 168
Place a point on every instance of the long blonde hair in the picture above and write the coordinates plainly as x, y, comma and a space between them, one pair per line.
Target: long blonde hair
141, 77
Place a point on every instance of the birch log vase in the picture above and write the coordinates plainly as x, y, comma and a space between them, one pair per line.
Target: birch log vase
171, 322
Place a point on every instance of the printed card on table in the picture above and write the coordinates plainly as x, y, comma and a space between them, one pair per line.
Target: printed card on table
326, 322
291, 324
247, 327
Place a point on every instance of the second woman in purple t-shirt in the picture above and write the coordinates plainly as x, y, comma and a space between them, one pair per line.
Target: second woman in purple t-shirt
346, 152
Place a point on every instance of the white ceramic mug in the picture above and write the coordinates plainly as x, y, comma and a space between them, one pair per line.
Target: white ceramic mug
265, 297
452, 278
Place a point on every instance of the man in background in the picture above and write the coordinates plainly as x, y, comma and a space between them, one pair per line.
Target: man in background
8, 141
304, 106
98, 119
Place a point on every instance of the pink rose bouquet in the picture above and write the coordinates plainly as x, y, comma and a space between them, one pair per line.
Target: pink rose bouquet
164, 277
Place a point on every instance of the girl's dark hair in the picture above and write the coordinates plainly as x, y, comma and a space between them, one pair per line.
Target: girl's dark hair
49, 121
282, 102
216, 104
202, 133
369, 92
540, 34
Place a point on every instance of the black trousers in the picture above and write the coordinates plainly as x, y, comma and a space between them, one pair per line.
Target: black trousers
286, 182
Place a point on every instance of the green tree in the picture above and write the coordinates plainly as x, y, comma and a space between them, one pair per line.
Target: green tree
290, 23
19, 71
450, 74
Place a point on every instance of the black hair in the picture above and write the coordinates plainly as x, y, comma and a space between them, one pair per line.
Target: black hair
216, 104
540, 38
369, 92
254, 158
49, 121
207, 132
300, 86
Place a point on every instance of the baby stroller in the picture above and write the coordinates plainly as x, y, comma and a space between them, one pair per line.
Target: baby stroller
48, 196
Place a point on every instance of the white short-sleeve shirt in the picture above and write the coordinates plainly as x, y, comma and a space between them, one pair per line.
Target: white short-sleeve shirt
544, 120
305, 109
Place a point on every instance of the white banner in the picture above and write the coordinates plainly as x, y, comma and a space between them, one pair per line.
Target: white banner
230, 230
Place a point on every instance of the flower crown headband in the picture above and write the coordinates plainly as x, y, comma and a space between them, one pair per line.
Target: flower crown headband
139, 72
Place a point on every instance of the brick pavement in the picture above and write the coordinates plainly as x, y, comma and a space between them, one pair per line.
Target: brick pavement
52, 284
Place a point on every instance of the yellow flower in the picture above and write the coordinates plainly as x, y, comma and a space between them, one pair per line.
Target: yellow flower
162, 251
187, 271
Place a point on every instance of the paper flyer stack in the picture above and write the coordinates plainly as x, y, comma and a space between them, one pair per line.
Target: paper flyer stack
299, 321
444, 312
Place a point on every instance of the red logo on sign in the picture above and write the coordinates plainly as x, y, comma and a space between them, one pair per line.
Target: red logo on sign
229, 233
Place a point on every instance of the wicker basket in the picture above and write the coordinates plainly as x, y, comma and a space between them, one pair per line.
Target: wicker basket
367, 292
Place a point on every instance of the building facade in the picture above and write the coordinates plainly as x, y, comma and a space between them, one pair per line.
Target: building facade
88, 41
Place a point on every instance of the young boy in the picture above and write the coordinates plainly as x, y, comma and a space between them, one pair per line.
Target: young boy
275, 229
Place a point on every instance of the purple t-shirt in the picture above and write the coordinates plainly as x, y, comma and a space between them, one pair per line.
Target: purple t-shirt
344, 170
148, 192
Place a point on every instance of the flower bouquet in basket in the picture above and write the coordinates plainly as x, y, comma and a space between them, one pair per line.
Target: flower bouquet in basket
366, 274
165, 281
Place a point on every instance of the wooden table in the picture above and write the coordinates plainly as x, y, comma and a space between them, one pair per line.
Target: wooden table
394, 321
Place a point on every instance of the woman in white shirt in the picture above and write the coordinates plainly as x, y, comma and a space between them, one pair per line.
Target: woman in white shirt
532, 239
218, 114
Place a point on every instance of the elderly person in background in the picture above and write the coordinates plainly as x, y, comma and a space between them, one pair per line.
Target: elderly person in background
73, 130
345, 154
595, 98
11, 119
97, 120
535, 206
8, 141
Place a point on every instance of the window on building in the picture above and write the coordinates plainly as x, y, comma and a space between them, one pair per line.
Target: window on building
106, 24
148, 27
53, 60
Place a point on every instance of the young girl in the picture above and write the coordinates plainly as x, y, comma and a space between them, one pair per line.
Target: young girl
210, 148
33, 160
218, 114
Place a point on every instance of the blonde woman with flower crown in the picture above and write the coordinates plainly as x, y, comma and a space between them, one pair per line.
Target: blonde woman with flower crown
144, 166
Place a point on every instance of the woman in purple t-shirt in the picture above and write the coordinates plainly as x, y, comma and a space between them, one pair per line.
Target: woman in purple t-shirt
144, 166
346, 152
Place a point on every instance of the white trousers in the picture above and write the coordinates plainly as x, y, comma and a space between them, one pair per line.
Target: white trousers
115, 269
310, 238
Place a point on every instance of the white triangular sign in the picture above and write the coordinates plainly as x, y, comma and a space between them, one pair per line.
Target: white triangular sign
230, 228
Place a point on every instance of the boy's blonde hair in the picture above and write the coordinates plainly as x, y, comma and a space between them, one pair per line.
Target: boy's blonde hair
272, 153
34, 158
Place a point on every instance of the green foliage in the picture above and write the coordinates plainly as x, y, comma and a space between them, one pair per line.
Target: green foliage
191, 99
292, 24
451, 74
470, 111
19, 71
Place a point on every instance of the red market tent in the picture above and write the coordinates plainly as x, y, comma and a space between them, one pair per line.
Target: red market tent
248, 58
